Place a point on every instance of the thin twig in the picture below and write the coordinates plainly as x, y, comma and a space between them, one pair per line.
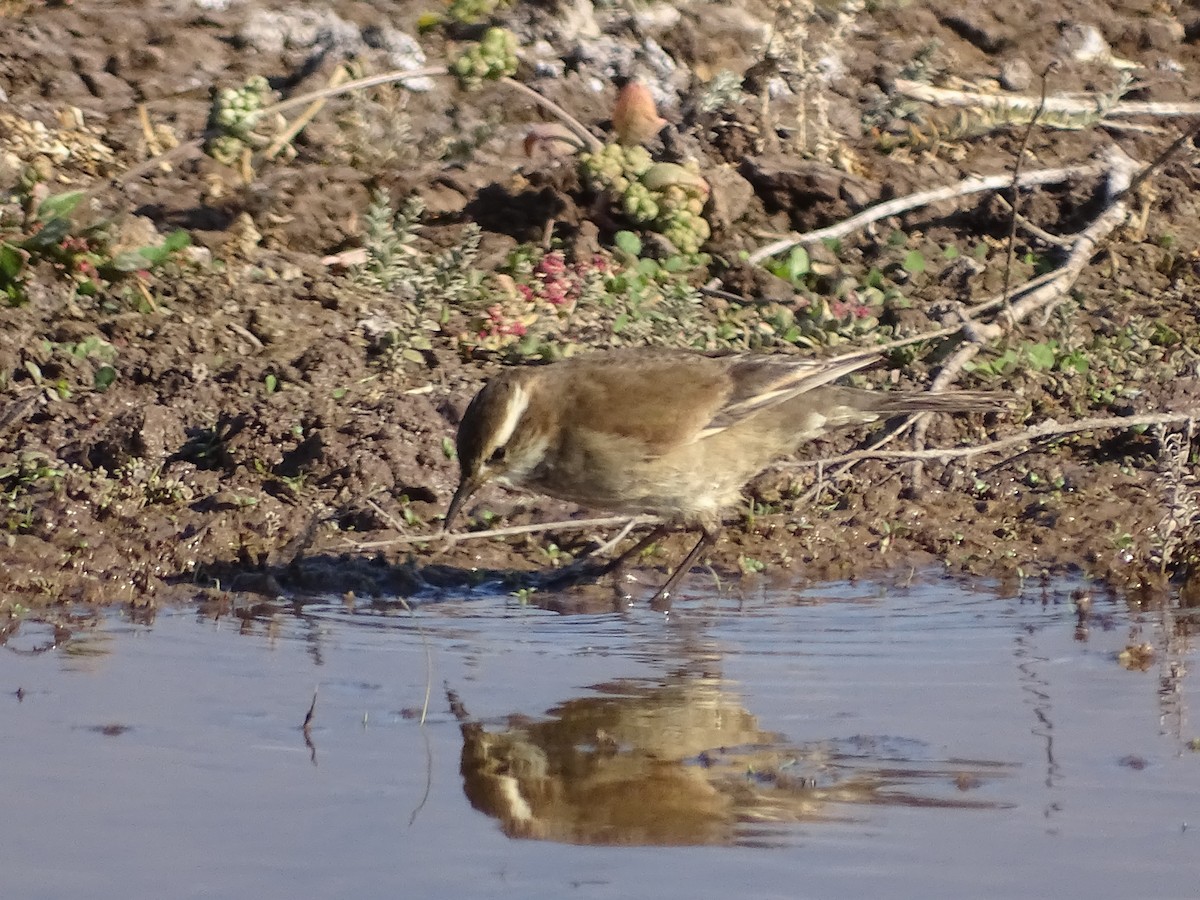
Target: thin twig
577, 128
347, 87
428, 658
1089, 104
306, 729
1160, 160
287, 135
1036, 433
923, 198
590, 141
308, 716
175, 154
424, 713
385, 515
1016, 179
1054, 240
968, 318
457, 537
1120, 171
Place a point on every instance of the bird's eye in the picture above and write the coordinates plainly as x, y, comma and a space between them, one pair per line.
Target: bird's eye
497, 455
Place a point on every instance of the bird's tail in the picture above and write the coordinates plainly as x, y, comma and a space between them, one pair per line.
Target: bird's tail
894, 402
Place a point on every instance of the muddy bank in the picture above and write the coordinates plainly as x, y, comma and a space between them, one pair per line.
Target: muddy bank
264, 410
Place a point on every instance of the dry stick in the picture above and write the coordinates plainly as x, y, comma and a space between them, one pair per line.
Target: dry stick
1035, 433
577, 128
297, 125
923, 198
308, 716
181, 150
968, 319
457, 537
1120, 174
346, 87
1016, 207
590, 141
1091, 103
424, 712
152, 144
385, 515
921, 423
175, 154
306, 729
428, 779
428, 658
1121, 169
1054, 240
1159, 161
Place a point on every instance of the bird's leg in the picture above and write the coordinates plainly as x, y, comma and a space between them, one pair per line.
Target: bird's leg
661, 601
583, 567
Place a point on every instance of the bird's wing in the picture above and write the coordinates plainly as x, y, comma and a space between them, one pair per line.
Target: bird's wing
761, 381
657, 402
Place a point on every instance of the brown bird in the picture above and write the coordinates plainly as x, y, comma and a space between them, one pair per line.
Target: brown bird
672, 433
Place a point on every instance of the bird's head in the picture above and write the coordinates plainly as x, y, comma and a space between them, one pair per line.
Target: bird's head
500, 436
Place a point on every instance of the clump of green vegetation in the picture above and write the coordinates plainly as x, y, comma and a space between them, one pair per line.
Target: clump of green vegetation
470, 12
91, 357
493, 58
235, 120
423, 287
19, 476
831, 310
666, 198
34, 231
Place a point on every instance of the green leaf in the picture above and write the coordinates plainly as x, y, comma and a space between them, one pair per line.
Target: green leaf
1073, 362
628, 242
1041, 356
272, 383
58, 206
176, 240
105, 376
648, 267
914, 262
12, 261
52, 233
798, 264
129, 261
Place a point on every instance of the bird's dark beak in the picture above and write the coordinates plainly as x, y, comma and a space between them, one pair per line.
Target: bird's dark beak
467, 485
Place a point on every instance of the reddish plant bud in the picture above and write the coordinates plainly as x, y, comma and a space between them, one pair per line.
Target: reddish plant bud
635, 119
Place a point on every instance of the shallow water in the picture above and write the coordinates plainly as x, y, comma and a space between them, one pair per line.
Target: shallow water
844, 741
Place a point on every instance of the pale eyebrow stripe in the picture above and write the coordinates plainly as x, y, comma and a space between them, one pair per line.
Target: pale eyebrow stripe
518, 402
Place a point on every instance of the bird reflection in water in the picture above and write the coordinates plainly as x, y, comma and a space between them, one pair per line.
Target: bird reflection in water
680, 761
